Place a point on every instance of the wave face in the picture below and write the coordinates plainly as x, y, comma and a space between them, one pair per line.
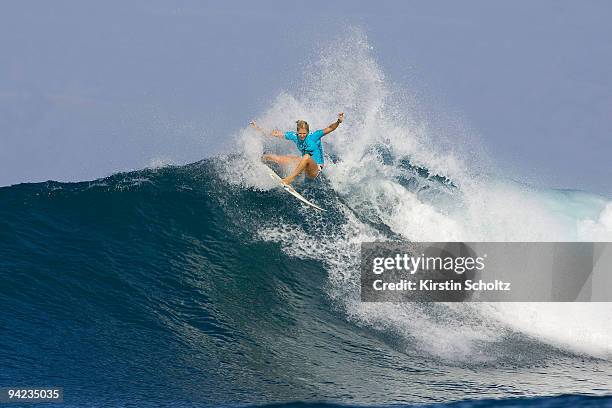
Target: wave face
205, 283
172, 279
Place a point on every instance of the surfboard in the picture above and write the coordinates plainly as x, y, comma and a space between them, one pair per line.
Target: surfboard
290, 189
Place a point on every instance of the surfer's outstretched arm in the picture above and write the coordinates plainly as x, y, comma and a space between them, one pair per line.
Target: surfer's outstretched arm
273, 133
334, 125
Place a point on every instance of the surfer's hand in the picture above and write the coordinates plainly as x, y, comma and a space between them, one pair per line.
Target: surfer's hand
257, 128
341, 117
277, 133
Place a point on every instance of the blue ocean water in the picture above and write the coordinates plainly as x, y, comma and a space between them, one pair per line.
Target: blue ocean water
170, 287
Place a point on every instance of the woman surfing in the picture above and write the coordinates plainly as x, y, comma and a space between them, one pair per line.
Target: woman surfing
309, 145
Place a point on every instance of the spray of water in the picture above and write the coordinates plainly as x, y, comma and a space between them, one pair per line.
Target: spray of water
391, 169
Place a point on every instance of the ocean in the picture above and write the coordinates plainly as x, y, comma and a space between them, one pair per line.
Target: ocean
204, 284
172, 287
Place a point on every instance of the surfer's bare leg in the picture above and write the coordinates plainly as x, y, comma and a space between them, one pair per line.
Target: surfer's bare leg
282, 160
306, 164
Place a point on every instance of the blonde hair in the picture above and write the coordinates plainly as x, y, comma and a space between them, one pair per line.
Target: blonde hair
302, 124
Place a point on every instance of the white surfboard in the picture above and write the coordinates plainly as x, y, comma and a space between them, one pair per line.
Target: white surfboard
291, 190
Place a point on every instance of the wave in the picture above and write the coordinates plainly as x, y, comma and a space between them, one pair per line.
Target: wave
174, 274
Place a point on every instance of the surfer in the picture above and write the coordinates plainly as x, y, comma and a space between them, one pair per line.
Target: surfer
309, 145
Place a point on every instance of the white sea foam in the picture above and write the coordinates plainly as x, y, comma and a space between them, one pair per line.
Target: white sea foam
599, 229
380, 131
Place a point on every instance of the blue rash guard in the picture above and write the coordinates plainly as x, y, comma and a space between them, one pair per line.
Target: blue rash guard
311, 144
